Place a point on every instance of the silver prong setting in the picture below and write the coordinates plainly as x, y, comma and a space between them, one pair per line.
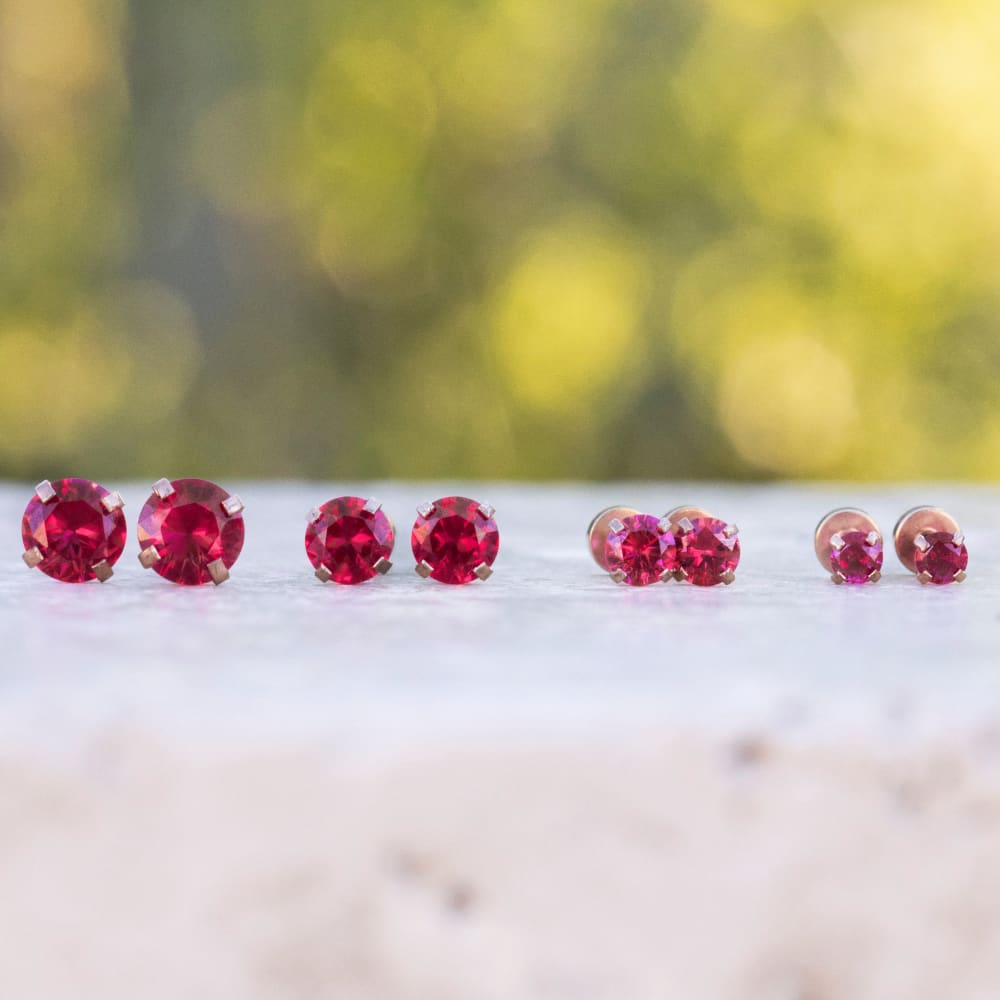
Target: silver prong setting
921, 543
873, 538
730, 531
837, 543
112, 502
218, 571
372, 506
382, 565
32, 557
103, 571
314, 515
426, 509
233, 505
487, 510
163, 488
958, 538
44, 491
685, 524
615, 525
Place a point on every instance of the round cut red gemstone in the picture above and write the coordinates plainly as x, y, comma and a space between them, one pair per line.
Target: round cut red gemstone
74, 528
640, 551
856, 555
940, 556
708, 550
455, 540
350, 539
190, 530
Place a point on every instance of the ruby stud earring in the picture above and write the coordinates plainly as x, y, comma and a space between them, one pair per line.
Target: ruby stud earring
73, 530
455, 540
190, 531
930, 544
708, 550
635, 549
849, 546
349, 540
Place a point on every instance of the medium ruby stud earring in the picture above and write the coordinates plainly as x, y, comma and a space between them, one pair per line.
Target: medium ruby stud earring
349, 540
849, 546
73, 530
930, 543
190, 531
636, 549
708, 550
455, 540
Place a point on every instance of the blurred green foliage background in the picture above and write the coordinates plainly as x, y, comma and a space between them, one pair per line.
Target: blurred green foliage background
499, 238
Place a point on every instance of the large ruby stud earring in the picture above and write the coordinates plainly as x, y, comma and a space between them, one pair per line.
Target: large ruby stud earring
190, 531
455, 540
349, 540
635, 549
930, 543
849, 546
73, 530
708, 550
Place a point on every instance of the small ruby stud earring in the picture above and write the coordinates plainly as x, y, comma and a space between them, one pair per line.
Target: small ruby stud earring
708, 550
349, 540
73, 530
455, 540
635, 549
930, 543
849, 546
190, 531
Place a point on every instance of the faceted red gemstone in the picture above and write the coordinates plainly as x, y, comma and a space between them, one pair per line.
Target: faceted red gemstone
73, 529
707, 550
855, 555
190, 530
641, 551
348, 538
940, 556
455, 540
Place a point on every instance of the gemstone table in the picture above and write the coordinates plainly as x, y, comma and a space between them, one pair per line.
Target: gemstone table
544, 786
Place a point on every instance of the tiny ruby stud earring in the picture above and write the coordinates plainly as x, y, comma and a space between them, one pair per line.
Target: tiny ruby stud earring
349, 540
190, 531
708, 550
635, 549
73, 530
849, 546
930, 543
455, 540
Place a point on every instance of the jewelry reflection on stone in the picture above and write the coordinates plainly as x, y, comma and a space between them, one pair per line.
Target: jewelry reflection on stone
849, 546
930, 544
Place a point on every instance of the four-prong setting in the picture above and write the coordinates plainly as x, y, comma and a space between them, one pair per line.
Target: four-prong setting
455, 540
349, 540
931, 545
708, 548
638, 549
849, 547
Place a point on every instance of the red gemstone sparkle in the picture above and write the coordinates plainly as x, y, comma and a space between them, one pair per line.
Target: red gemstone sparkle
856, 555
349, 540
708, 550
76, 527
640, 551
188, 527
941, 555
455, 540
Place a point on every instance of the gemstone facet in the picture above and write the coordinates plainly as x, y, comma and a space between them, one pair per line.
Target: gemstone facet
708, 550
73, 530
856, 556
940, 557
640, 549
349, 540
187, 534
455, 540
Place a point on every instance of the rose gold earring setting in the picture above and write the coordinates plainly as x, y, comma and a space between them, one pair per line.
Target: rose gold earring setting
849, 546
708, 549
930, 544
634, 549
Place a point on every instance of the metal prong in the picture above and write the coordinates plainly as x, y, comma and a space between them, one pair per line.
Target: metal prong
313, 516
323, 575
924, 577
838, 578
680, 576
617, 575
487, 510
615, 525
874, 576
232, 505
32, 557
872, 537
44, 491
217, 571
731, 531
372, 506
685, 524
728, 577
382, 565
837, 542
423, 568
149, 557
112, 502
920, 542
426, 509
483, 571
163, 488
103, 571
664, 524
667, 575
960, 576
958, 538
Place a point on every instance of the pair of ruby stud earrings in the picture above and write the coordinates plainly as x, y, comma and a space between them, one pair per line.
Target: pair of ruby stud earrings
928, 541
191, 532
686, 543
